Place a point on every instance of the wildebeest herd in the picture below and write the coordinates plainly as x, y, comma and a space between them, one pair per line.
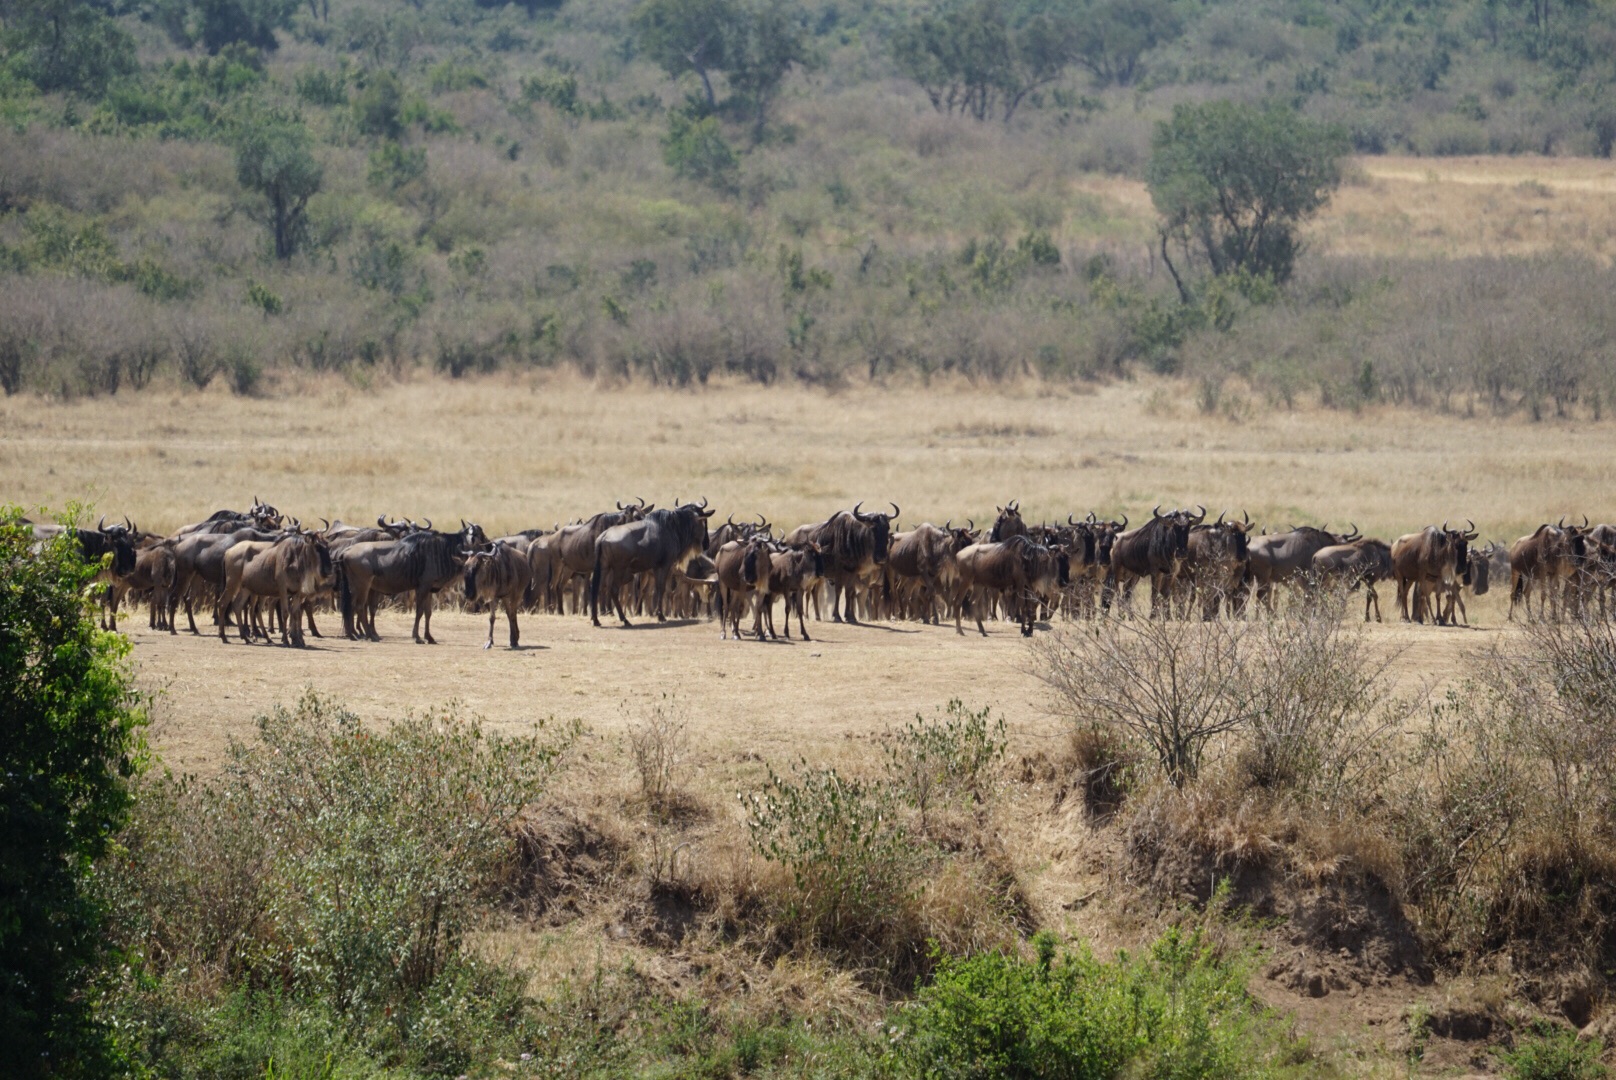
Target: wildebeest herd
265, 573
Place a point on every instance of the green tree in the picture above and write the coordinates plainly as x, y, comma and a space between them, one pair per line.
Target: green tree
64, 45
1233, 183
1115, 34
985, 57
687, 35
765, 44
274, 157
70, 739
379, 109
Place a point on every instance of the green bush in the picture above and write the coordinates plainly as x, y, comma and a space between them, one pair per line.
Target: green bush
1179, 1011
696, 150
1554, 1053
946, 757
70, 740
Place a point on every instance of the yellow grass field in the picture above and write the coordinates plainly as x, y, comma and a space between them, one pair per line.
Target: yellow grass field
1435, 207
513, 454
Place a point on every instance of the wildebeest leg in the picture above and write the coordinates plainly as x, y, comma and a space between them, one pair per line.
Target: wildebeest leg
308, 613
510, 614
617, 602
661, 595
423, 596
493, 614
850, 592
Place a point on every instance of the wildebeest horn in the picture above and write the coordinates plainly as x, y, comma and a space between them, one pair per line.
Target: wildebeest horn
1069, 520
428, 525
1091, 519
763, 522
130, 525
704, 502
1352, 530
895, 510
462, 524
327, 524
1444, 524
648, 509
1220, 518
1202, 515
642, 501
1123, 524
1562, 522
1015, 505
1246, 517
1584, 521
620, 505
101, 526
381, 521
1155, 511
856, 507
731, 521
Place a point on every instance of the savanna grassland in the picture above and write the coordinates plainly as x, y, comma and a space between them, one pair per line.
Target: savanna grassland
514, 263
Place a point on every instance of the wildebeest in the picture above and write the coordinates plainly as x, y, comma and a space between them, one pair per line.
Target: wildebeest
421, 562
792, 573
199, 567
1018, 570
1214, 566
743, 569
657, 544
1008, 523
855, 545
498, 576
921, 566
1283, 557
1546, 558
287, 571
1152, 550
575, 546
1364, 562
153, 575
258, 516
1429, 562
112, 544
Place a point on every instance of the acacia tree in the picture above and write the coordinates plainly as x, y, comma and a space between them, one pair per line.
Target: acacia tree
1234, 182
765, 45
70, 726
687, 35
274, 157
979, 61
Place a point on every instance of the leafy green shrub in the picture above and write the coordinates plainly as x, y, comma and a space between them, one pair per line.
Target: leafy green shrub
1554, 1053
945, 757
319, 86
697, 150
852, 862
1178, 1011
70, 740
560, 92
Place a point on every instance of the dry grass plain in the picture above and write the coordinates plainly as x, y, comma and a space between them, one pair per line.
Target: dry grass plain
1432, 207
514, 453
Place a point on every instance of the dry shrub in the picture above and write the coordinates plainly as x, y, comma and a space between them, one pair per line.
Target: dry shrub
658, 744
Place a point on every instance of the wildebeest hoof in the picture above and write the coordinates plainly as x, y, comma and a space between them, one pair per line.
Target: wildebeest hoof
490, 645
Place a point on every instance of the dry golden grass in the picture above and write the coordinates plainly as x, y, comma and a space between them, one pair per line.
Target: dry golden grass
1434, 207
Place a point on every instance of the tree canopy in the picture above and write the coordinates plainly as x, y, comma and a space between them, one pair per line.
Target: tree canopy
1232, 183
69, 742
275, 158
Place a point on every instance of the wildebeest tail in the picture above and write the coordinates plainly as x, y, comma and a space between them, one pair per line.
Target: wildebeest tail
344, 594
594, 587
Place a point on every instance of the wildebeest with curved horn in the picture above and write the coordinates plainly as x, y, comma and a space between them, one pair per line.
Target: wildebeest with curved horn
1214, 566
288, 571
854, 545
1008, 523
499, 576
1428, 562
1019, 571
743, 571
574, 546
657, 544
1152, 550
421, 562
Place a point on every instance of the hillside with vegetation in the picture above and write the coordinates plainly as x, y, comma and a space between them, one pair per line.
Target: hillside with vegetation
250, 191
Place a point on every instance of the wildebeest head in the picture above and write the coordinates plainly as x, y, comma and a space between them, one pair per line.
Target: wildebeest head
472, 535
1460, 540
115, 540
880, 527
693, 521
1008, 523
264, 515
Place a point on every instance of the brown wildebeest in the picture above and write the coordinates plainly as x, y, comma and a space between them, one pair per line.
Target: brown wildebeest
1598, 572
921, 566
659, 543
1214, 567
1477, 577
1545, 559
575, 548
792, 573
499, 576
1364, 562
286, 570
1008, 523
259, 516
1017, 570
421, 562
1429, 561
153, 575
1284, 557
199, 567
855, 547
1152, 551
743, 570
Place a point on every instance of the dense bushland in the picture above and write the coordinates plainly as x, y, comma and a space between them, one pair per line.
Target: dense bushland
242, 191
